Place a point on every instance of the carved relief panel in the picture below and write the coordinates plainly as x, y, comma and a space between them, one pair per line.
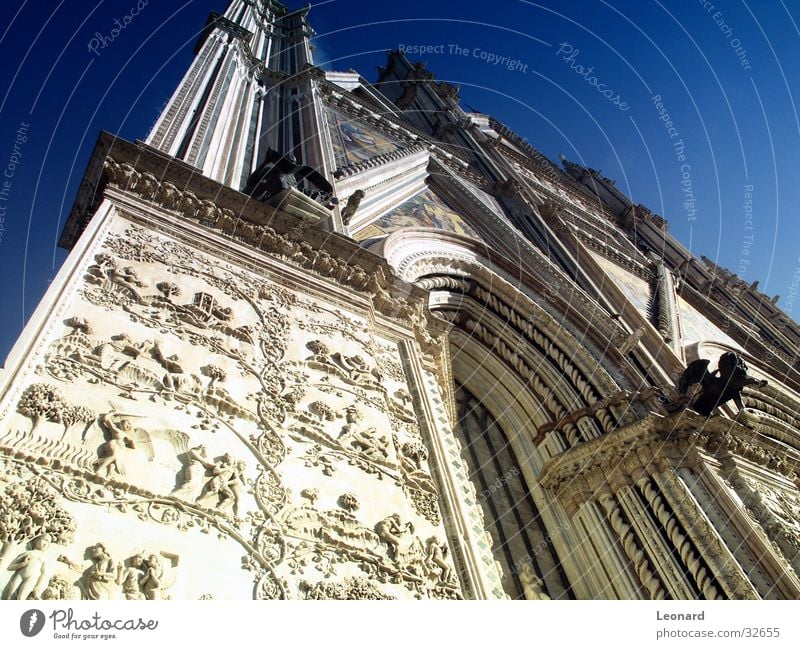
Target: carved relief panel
221, 420
776, 508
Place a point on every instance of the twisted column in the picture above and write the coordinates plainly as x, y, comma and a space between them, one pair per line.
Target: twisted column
633, 551
683, 545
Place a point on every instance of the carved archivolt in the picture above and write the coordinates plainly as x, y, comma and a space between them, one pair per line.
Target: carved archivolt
510, 304
586, 380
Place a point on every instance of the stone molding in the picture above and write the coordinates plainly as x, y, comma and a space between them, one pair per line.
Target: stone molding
656, 444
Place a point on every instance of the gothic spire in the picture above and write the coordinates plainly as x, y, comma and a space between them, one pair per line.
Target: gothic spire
236, 99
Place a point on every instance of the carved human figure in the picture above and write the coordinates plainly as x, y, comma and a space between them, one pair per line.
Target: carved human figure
159, 576
101, 577
435, 559
412, 456
365, 441
236, 485
224, 488
193, 473
391, 531
130, 577
31, 570
127, 277
532, 585
110, 355
112, 451
152, 580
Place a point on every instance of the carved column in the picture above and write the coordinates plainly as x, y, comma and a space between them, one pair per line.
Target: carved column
680, 542
713, 551
633, 549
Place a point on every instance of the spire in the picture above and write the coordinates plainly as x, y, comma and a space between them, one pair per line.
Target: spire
236, 101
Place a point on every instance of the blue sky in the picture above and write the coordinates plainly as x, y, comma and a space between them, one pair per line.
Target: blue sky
724, 173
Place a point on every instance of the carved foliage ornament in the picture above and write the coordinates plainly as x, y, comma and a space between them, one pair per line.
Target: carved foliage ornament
212, 491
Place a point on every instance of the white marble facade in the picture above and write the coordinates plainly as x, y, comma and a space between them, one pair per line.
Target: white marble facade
233, 437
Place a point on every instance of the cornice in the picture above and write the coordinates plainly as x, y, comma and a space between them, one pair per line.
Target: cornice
532, 166
612, 254
149, 177
378, 161
655, 444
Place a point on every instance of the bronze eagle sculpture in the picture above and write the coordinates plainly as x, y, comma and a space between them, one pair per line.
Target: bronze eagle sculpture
718, 387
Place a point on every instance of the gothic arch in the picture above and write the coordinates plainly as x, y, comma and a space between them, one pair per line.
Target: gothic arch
565, 352
543, 390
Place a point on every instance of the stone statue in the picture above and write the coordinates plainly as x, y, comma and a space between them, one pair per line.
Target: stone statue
131, 576
352, 205
718, 387
280, 172
632, 340
391, 530
30, 571
532, 585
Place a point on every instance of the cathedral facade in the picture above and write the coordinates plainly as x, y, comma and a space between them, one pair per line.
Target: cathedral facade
325, 338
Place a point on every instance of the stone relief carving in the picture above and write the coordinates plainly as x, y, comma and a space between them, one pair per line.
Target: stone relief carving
289, 246
122, 436
389, 553
98, 574
32, 521
141, 577
130, 576
363, 441
353, 370
240, 327
41, 402
350, 588
417, 480
30, 571
391, 531
777, 511
60, 589
224, 488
